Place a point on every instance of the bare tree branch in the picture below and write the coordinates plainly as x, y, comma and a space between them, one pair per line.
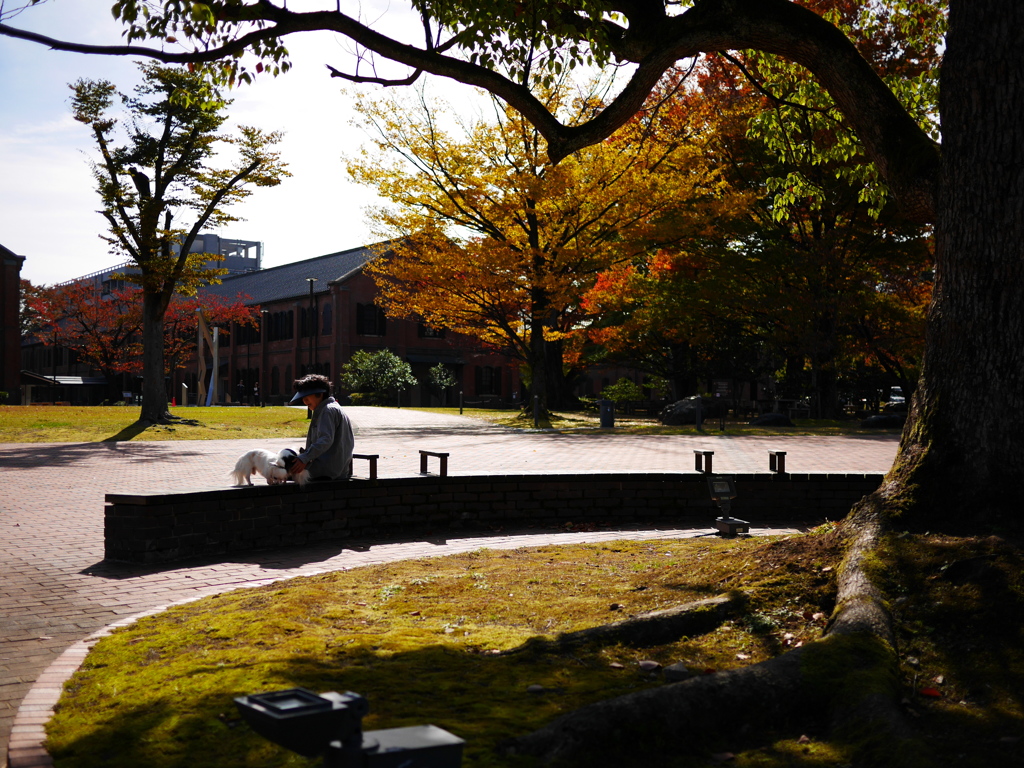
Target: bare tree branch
904, 154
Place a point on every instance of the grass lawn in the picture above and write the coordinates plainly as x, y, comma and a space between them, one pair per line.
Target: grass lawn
458, 642
90, 424
93, 424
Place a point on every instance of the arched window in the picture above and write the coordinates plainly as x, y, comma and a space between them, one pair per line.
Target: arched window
328, 321
370, 320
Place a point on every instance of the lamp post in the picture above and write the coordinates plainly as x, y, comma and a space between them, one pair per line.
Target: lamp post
311, 324
53, 366
264, 340
247, 379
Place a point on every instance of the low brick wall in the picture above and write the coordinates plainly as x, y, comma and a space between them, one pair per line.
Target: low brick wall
157, 528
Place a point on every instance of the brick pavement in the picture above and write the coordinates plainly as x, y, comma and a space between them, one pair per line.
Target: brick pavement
56, 591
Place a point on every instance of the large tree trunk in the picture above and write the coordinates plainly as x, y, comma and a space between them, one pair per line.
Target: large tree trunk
962, 454
154, 392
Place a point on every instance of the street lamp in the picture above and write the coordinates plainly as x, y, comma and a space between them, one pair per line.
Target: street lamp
311, 323
264, 340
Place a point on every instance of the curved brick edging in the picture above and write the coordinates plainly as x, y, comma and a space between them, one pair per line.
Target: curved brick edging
28, 735
164, 527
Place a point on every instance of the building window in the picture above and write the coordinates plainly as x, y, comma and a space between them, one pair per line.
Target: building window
281, 326
307, 322
111, 285
328, 321
246, 334
425, 331
275, 381
488, 380
370, 320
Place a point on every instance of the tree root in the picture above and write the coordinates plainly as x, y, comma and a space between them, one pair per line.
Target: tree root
653, 628
847, 681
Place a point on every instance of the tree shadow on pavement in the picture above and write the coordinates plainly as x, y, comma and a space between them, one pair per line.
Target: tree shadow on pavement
132, 430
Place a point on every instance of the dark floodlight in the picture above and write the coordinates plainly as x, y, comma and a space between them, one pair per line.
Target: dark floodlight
301, 720
723, 491
331, 724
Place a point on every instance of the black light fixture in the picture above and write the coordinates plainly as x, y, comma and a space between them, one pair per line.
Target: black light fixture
723, 491
330, 724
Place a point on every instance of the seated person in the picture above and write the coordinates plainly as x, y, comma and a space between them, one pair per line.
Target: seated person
329, 440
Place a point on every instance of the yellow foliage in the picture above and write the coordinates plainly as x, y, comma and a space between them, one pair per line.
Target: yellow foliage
489, 238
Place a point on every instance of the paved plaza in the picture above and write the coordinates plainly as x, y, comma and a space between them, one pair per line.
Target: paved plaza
56, 590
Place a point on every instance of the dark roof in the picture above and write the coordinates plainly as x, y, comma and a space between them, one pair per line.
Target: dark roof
289, 280
7, 253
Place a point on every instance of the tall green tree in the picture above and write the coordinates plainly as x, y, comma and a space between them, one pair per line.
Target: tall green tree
161, 182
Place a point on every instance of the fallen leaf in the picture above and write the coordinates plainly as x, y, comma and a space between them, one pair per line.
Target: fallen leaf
933, 693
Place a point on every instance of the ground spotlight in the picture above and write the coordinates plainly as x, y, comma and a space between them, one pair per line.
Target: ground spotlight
330, 724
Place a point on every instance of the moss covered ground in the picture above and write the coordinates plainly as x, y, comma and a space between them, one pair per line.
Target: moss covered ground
445, 641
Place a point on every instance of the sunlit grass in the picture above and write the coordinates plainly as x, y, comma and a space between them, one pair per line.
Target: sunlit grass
428, 641
90, 424
453, 641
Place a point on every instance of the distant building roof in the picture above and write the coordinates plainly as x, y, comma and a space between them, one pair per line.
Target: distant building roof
7, 253
290, 280
30, 377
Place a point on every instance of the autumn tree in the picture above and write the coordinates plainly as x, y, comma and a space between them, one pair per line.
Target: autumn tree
28, 316
160, 188
105, 331
180, 339
486, 237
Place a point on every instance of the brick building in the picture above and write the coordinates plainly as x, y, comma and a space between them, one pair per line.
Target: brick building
315, 314
10, 327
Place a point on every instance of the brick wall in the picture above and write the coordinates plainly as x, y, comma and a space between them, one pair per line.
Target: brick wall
156, 528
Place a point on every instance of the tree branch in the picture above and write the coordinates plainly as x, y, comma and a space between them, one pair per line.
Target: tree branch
906, 157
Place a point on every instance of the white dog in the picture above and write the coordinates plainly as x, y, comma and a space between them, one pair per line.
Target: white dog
287, 457
266, 463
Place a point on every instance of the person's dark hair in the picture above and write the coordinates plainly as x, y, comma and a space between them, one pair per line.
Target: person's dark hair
313, 381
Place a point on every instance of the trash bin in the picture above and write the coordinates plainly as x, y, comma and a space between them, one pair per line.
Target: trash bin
607, 410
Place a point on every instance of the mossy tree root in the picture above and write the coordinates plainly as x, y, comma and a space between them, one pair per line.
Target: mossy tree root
647, 629
847, 682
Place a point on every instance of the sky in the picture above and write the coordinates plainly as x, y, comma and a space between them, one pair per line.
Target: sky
48, 200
